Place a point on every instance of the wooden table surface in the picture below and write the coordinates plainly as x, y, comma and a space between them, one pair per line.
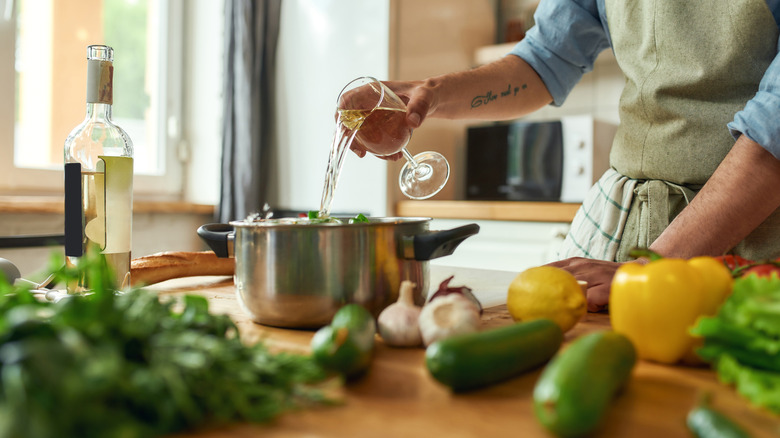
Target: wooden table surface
398, 398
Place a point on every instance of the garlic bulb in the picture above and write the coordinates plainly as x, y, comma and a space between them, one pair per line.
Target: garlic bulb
446, 316
398, 322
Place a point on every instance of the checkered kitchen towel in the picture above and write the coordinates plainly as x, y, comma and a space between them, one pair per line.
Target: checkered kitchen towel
598, 226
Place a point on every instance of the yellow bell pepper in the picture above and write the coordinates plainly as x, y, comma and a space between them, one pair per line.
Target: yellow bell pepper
654, 305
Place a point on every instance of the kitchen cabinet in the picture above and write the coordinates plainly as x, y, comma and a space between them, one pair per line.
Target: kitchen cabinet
513, 236
504, 245
491, 210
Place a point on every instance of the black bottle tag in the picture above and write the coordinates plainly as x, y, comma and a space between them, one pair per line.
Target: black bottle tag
74, 240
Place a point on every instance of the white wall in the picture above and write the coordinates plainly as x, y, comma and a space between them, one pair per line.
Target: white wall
202, 106
323, 45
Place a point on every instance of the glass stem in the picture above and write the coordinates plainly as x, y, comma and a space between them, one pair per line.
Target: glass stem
409, 158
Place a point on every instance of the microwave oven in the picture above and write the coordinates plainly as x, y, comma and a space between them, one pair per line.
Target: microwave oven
555, 160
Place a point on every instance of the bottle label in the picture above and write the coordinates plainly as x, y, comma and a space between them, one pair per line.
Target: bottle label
74, 238
99, 206
118, 203
100, 83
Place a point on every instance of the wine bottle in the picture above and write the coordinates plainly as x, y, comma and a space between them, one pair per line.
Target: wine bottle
99, 176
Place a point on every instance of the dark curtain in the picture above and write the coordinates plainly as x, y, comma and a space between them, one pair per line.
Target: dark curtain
251, 34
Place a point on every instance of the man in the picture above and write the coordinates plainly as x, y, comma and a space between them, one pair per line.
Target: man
700, 116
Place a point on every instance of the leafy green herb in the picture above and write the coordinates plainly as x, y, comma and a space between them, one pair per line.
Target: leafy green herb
359, 219
129, 365
743, 340
315, 218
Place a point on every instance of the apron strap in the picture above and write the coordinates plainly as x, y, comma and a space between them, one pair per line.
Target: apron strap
597, 228
656, 203
620, 214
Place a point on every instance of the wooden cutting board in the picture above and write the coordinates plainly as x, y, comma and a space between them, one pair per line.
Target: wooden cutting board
398, 398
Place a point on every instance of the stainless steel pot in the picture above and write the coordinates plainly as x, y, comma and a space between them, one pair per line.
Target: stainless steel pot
298, 275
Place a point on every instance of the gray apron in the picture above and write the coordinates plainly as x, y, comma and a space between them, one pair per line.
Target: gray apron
689, 67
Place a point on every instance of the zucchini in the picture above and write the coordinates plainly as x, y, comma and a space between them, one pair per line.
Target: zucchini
479, 359
706, 422
346, 345
577, 386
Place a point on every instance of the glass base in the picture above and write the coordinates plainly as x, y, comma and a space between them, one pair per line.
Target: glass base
426, 178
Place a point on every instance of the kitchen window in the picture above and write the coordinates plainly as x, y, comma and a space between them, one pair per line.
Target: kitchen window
43, 87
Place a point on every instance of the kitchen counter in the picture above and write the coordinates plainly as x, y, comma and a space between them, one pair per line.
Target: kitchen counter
56, 205
399, 398
490, 210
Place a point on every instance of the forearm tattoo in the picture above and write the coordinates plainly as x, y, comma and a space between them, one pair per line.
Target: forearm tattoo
485, 99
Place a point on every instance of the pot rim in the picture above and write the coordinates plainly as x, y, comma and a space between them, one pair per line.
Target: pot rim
302, 222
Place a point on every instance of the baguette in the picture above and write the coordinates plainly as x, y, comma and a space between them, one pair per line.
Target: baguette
176, 264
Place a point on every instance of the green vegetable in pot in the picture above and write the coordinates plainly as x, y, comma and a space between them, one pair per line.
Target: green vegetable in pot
314, 217
109, 365
743, 340
359, 219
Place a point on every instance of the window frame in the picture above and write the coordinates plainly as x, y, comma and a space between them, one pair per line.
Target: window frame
27, 181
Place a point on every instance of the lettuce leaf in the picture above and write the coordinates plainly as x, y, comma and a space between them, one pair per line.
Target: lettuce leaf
718, 330
760, 387
743, 340
754, 303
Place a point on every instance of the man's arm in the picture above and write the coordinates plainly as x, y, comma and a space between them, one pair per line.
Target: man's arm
742, 193
505, 89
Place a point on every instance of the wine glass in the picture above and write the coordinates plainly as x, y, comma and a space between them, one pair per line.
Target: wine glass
378, 118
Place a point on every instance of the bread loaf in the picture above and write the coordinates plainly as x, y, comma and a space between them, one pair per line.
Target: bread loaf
176, 264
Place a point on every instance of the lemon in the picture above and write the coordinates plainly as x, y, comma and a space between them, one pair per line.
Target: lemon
547, 292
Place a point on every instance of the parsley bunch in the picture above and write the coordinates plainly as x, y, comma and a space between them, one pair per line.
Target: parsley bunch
128, 365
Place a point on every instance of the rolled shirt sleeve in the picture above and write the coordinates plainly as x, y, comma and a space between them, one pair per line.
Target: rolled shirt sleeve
569, 35
760, 119
564, 43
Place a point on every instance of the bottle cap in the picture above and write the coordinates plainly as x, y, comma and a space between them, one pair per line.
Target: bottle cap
101, 53
100, 74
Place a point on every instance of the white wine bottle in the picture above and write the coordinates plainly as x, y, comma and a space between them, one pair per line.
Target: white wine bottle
99, 176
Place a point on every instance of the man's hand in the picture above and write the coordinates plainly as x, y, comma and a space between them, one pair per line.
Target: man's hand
410, 93
504, 89
598, 274
361, 150
419, 97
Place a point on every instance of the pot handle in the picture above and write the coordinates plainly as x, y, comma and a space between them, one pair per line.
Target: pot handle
219, 237
435, 244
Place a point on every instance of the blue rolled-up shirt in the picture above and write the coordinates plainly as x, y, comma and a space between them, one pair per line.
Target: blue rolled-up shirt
569, 35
